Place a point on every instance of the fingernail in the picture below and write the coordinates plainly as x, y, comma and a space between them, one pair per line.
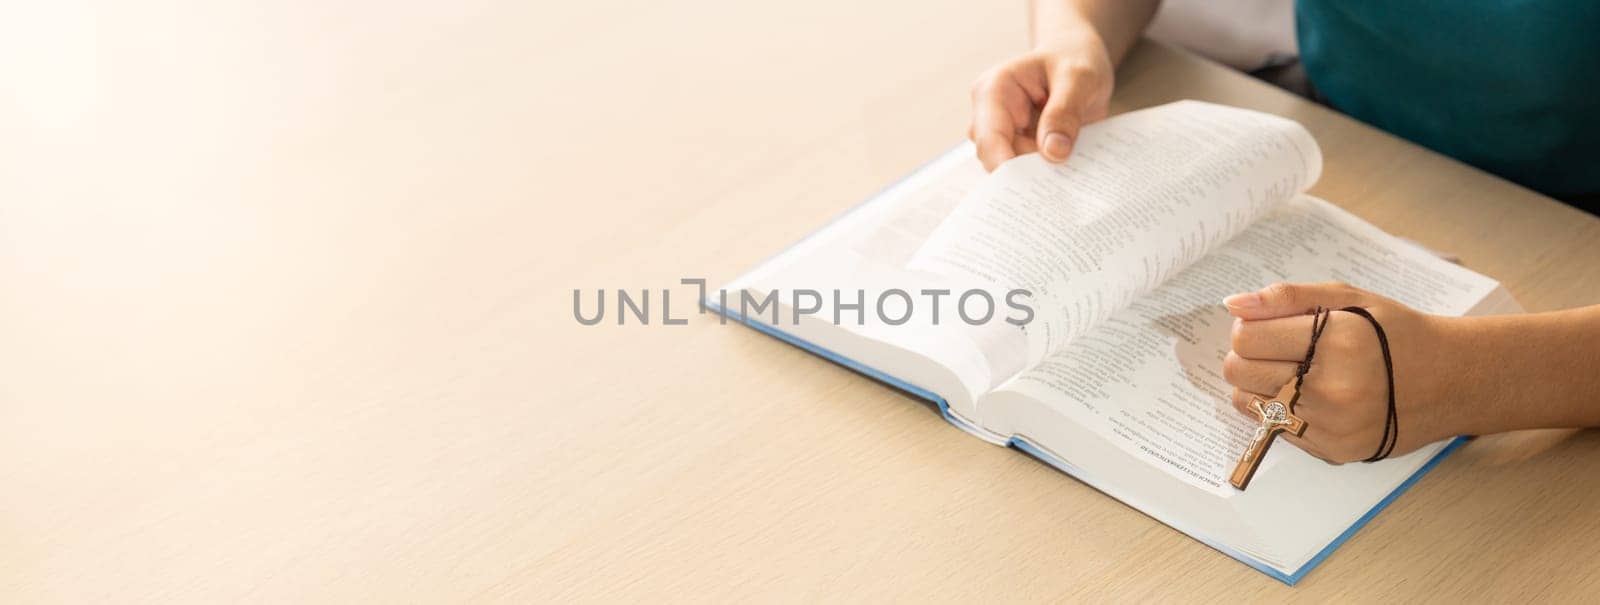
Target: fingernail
1243, 301
1056, 145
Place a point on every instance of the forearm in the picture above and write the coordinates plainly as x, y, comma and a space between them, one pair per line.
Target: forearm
1117, 23
1537, 370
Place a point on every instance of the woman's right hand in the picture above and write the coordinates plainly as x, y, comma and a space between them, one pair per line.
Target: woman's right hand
1038, 101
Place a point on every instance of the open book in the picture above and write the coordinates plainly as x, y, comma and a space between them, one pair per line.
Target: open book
1073, 311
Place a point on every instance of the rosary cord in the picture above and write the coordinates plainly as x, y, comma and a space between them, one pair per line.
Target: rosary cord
1391, 424
1319, 320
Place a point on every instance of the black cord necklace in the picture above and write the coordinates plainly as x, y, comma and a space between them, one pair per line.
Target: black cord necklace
1319, 322
1391, 422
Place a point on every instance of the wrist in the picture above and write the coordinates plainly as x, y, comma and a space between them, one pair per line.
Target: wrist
1514, 372
1463, 386
1067, 36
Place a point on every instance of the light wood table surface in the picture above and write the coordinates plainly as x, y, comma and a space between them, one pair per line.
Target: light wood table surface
285, 315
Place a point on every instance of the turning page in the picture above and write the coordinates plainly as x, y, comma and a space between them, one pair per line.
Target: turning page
1144, 195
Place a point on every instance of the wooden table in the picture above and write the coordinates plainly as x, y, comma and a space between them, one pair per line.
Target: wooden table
286, 316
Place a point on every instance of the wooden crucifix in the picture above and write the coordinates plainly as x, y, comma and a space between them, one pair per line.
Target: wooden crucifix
1276, 417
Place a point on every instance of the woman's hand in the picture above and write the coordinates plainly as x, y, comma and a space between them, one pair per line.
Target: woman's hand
1344, 399
1038, 101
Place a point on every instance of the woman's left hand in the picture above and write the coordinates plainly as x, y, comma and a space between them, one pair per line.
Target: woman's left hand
1344, 399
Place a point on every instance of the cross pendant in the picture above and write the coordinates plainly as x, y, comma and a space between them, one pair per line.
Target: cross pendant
1275, 418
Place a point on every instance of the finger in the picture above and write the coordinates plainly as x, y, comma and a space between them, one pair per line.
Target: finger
1242, 399
1023, 145
1282, 339
1256, 375
1063, 115
993, 128
1281, 299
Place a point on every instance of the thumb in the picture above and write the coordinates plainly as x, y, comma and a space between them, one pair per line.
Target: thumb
1283, 300
1060, 119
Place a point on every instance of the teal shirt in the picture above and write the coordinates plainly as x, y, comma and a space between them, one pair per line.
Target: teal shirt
1512, 87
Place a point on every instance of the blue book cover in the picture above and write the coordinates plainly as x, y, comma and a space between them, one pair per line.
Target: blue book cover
1095, 482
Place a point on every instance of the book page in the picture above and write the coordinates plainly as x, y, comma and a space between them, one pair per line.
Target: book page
1150, 377
1144, 195
1138, 406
